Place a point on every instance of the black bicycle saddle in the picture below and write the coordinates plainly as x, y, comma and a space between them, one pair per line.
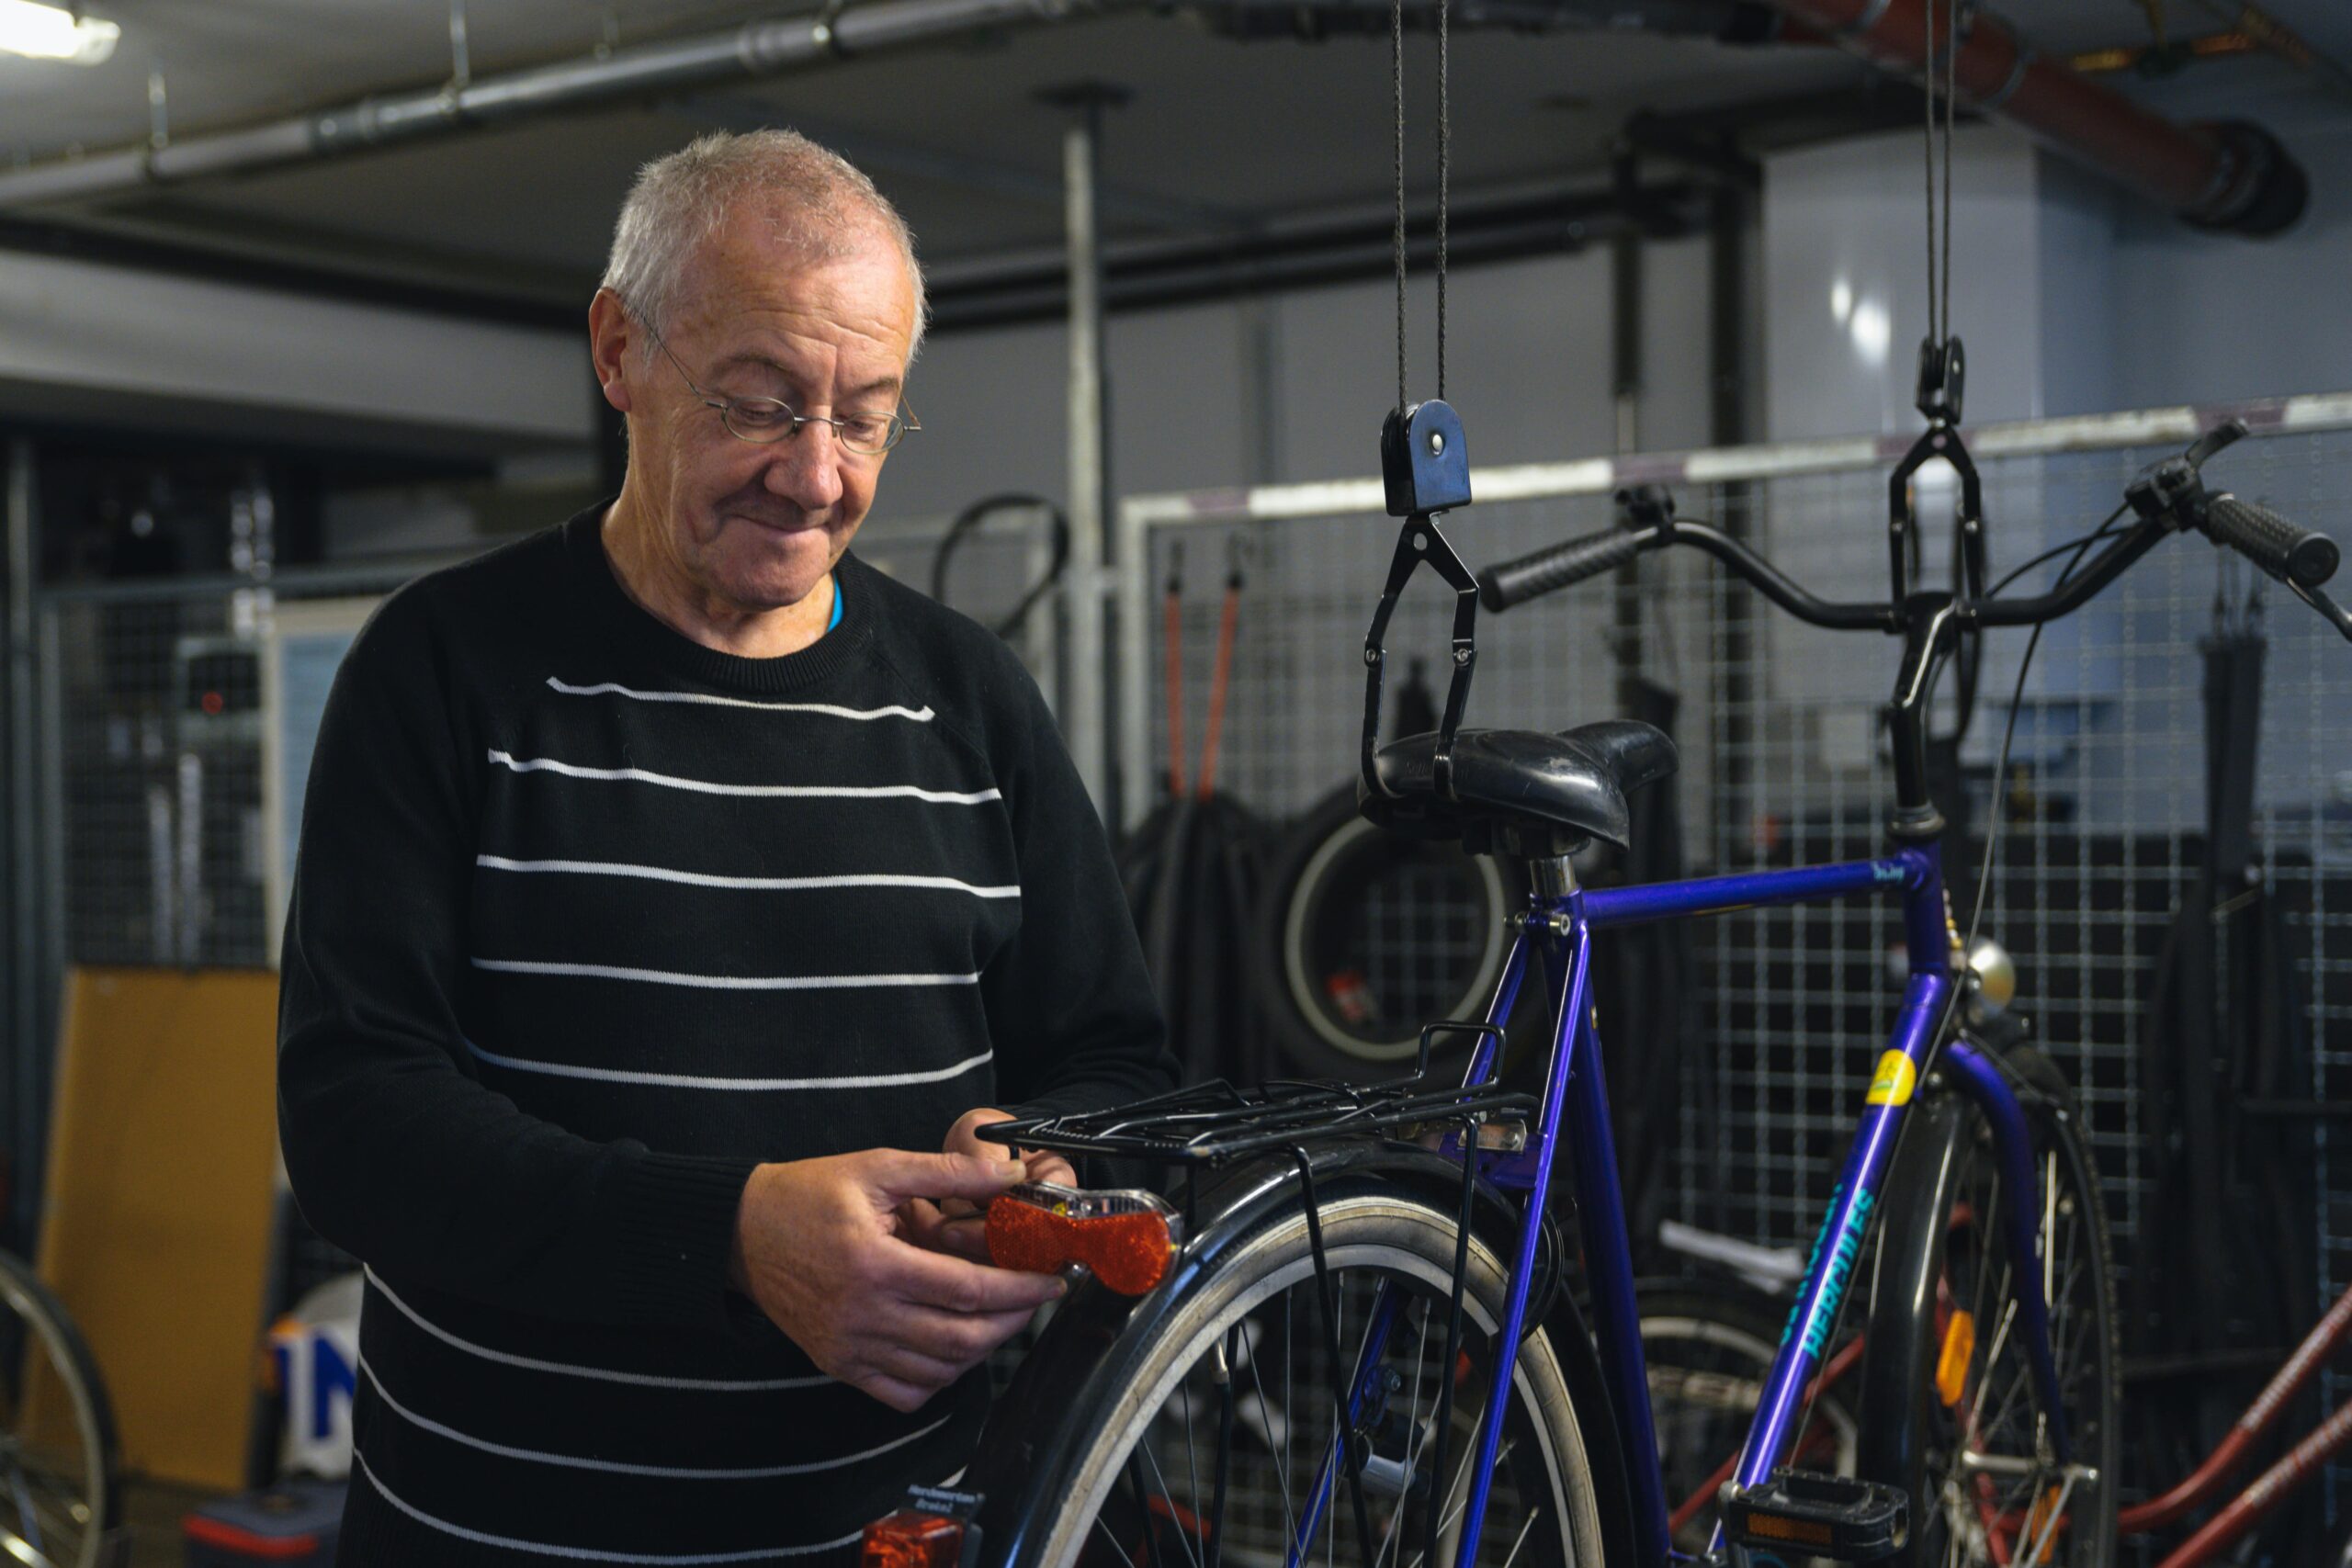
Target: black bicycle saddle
1576, 781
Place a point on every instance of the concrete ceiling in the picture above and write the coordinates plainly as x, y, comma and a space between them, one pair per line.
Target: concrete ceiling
1214, 126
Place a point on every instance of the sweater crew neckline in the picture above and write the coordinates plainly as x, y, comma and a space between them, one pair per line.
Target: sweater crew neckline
846, 637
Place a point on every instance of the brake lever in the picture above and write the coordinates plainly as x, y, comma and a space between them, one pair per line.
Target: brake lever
2329, 611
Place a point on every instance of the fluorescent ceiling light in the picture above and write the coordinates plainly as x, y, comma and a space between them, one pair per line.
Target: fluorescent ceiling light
44, 32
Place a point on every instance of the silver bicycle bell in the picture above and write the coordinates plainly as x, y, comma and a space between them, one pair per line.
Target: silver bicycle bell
1995, 977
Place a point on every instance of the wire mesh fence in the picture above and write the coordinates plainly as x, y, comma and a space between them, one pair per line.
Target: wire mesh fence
2102, 807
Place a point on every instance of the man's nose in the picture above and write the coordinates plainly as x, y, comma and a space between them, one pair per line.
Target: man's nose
805, 467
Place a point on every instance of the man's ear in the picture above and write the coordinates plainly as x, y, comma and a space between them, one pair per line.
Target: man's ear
612, 338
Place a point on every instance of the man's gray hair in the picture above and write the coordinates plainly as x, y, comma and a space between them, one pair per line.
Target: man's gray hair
820, 203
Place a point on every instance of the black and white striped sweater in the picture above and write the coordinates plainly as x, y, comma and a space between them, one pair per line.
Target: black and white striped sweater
588, 920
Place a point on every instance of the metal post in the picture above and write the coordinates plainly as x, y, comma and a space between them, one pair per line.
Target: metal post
1625, 360
1084, 713
1727, 240
25, 1052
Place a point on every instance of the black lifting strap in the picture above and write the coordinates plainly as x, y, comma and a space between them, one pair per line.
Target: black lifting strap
2228, 1063
1424, 462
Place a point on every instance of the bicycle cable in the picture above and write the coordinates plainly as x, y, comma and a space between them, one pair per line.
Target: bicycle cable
2082, 547
1444, 179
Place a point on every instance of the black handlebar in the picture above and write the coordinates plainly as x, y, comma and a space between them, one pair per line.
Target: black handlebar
2296, 557
1558, 566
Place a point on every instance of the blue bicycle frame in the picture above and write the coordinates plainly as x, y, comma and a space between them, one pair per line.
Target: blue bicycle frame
1556, 932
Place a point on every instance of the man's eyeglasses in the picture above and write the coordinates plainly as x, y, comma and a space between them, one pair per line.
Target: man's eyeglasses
764, 420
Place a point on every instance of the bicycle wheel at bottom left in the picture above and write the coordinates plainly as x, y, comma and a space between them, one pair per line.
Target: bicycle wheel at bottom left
1218, 1427
60, 1494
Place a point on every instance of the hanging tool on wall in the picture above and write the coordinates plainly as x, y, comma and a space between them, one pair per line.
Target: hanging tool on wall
1191, 870
1221, 673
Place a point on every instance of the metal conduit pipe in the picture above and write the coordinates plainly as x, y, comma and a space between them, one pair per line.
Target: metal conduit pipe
2230, 176
673, 66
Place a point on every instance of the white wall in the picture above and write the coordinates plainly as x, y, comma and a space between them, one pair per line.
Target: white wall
2072, 297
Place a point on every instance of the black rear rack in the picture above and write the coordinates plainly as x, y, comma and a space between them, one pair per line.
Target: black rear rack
1215, 1122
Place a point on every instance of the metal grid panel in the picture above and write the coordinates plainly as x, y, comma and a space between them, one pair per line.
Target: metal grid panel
163, 856
1782, 761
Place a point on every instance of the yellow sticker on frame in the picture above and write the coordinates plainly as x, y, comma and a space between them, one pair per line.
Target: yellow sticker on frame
1893, 1081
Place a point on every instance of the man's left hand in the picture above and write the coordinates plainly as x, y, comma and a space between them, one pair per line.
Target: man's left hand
958, 1226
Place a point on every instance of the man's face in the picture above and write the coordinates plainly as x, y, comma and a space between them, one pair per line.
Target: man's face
752, 526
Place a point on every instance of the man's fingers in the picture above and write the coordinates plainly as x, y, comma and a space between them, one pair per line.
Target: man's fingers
934, 1279
1043, 1165
964, 1338
914, 1368
906, 1398
966, 1238
897, 1175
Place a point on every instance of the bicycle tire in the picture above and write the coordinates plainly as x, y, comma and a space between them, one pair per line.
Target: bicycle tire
1318, 995
1369, 1230
95, 1507
1942, 1200
1709, 1346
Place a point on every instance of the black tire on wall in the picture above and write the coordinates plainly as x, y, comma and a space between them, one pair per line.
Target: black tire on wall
1361, 937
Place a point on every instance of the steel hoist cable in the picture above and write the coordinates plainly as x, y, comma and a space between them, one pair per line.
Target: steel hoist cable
1424, 464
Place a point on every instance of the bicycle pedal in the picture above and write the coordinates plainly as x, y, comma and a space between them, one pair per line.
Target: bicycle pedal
1124, 1238
1823, 1516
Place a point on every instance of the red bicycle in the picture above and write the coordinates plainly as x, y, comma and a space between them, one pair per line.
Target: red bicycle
2002, 1535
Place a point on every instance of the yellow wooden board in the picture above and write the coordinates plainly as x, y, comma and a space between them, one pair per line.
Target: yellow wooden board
156, 1209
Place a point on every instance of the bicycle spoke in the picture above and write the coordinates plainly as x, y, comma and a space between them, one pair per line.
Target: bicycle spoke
1258, 1383
1191, 1554
1414, 1442
1115, 1541
1192, 1461
1523, 1530
1501, 1454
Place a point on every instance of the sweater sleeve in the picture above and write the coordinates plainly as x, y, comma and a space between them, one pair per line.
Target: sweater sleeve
396, 1150
1071, 1013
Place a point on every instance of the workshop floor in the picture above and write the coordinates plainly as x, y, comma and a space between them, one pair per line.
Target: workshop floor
153, 1510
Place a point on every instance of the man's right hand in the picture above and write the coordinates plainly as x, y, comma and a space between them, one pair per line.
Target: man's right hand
820, 1248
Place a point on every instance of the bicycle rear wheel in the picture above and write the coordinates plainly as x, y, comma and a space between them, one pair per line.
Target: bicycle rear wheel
1708, 1347
1950, 1407
60, 1495
1140, 1484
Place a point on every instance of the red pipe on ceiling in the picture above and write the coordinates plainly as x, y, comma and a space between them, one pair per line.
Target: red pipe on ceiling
2229, 176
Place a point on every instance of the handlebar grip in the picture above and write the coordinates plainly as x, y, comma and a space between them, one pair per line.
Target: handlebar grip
1555, 567
2291, 554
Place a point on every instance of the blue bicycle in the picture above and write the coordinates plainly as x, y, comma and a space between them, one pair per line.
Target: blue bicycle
1356, 1338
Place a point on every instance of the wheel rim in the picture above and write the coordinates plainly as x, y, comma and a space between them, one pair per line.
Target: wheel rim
1284, 1417
1706, 1378
53, 1464
1994, 1490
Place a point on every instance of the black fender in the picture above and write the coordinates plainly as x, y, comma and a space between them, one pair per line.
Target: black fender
1086, 1353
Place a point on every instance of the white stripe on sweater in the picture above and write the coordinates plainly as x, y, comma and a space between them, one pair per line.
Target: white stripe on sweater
781, 792
723, 982
589, 1555
600, 1374
618, 1467
688, 1080
609, 688
753, 883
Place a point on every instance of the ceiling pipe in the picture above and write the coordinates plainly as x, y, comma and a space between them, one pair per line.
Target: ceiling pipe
2230, 176
655, 70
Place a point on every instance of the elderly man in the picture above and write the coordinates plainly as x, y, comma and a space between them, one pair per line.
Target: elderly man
667, 878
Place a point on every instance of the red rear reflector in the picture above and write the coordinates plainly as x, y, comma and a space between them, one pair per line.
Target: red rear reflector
1125, 1239
912, 1539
